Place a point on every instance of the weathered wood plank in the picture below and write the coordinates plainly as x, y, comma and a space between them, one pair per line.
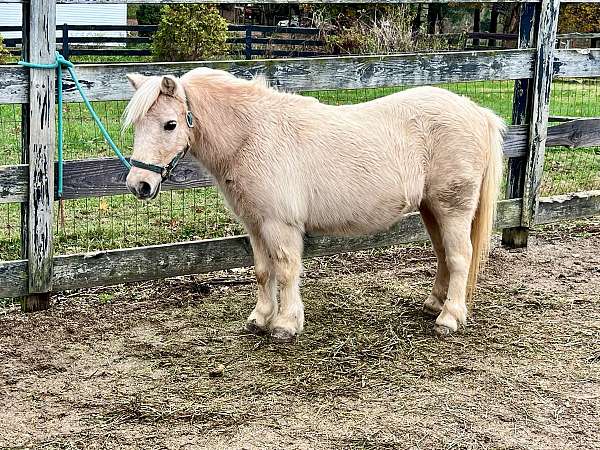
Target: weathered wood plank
14, 278
569, 206
515, 141
106, 176
14, 183
109, 82
576, 63
160, 261
554, 118
540, 102
13, 84
169, 260
576, 133
516, 237
42, 141
577, 35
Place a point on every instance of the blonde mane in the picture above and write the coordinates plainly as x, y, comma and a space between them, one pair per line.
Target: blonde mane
147, 94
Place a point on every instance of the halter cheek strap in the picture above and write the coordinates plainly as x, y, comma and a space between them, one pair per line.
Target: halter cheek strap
165, 171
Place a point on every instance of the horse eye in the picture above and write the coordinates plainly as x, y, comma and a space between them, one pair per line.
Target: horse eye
170, 125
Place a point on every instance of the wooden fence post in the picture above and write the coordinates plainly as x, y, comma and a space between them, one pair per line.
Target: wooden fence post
540, 105
40, 148
476, 24
65, 41
517, 237
248, 41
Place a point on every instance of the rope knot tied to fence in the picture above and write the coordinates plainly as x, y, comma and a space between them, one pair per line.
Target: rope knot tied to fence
59, 64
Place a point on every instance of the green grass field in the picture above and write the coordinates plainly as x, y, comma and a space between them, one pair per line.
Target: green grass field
120, 221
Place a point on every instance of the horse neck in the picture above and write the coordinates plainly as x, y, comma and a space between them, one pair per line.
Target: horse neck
225, 115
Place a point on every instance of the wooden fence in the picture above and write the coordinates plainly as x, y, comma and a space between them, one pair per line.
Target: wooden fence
295, 43
257, 40
271, 41
532, 66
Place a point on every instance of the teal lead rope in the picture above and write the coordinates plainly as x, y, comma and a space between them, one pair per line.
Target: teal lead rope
58, 65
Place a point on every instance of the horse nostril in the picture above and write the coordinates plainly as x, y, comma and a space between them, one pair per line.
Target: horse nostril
144, 189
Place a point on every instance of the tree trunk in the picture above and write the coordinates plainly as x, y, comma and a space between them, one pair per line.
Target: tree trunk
493, 24
416, 23
433, 12
511, 24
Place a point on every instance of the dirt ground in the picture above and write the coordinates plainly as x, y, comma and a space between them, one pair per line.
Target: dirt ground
165, 365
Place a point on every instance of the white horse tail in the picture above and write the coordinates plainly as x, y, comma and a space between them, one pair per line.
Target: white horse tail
485, 215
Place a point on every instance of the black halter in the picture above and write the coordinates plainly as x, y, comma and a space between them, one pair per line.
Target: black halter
165, 171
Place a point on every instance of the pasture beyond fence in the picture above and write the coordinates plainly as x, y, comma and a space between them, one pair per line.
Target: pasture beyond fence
531, 67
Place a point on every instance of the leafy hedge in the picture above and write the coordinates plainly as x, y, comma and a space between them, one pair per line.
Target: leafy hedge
189, 33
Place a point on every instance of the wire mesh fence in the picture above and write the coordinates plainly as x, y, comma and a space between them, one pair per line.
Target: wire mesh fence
110, 222
572, 169
10, 153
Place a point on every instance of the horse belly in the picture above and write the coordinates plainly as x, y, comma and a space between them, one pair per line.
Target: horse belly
357, 214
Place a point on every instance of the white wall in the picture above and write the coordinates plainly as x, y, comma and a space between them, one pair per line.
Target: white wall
89, 14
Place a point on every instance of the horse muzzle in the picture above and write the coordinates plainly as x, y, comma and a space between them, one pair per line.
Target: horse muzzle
143, 187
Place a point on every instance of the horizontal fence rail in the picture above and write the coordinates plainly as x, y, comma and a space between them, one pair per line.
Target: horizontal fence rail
106, 176
160, 261
109, 81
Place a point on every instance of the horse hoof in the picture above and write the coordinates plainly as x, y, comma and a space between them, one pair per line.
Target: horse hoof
282, 336
430, 311
252, 327
442, 331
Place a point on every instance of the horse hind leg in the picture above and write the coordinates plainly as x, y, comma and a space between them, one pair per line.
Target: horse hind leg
435, 301
456, 237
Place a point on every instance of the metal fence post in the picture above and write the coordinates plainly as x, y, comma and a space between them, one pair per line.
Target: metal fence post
528, 21
40, 145
540, 105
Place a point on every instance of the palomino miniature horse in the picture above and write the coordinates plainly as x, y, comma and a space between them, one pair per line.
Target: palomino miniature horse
289, 165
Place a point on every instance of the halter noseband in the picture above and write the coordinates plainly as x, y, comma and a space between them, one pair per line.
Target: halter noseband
165, 171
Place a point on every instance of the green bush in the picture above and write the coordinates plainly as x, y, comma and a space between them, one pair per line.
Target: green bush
189, 33
148, 14
5, 55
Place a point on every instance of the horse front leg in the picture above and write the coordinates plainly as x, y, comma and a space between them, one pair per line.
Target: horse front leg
284, 243
266, 303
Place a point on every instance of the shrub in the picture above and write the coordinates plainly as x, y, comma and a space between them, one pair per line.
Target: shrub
390, 31
148, 14
189, 33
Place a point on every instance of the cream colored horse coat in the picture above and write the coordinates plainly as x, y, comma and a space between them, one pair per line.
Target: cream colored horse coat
289, 165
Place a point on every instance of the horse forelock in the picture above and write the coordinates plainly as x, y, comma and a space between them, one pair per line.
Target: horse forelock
141, 102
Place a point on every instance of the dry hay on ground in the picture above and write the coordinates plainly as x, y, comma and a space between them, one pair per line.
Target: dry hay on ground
164, 364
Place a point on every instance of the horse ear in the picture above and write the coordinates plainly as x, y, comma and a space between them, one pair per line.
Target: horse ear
136, 79
168, 85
